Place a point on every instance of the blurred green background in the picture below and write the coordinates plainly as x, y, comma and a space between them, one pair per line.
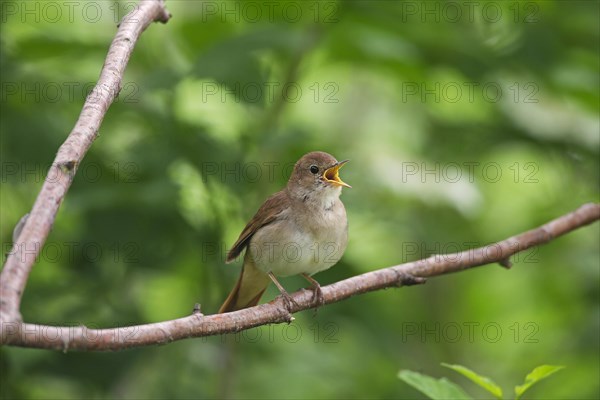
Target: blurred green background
465, 123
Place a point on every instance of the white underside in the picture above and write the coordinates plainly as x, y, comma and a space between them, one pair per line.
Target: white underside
292, 246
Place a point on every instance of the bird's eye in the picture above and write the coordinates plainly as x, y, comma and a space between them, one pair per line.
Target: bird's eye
314, 169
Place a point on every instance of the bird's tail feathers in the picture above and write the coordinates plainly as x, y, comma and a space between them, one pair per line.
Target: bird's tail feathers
248, 289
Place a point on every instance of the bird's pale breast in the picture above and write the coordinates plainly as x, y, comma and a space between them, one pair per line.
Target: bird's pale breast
309, 244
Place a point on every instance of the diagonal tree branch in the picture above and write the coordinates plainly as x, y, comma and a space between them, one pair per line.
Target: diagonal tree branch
81, 338
35, 230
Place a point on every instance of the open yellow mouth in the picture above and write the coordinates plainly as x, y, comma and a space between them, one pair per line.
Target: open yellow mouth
331, 174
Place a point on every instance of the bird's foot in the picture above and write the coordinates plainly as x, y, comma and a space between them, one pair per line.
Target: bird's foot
288, 301
317, 298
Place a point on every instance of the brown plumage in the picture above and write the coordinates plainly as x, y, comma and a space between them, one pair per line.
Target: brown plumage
305, 214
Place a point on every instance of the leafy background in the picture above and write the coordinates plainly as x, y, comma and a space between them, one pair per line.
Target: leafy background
174, 175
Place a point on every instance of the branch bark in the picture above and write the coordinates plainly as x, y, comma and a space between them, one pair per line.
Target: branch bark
36, 228
82, 338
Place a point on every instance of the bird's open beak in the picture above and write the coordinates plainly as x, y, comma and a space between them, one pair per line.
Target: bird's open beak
331, 174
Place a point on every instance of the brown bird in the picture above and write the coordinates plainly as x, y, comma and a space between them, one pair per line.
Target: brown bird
300, 230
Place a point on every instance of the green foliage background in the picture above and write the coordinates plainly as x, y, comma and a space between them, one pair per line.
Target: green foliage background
143, 232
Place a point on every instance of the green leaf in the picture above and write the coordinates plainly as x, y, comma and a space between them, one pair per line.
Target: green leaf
482, 381
436, 389
539, 373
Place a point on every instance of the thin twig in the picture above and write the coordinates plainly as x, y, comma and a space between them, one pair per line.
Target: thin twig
197, 325
33, 233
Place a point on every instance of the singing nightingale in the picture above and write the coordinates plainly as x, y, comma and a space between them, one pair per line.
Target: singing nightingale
301, 229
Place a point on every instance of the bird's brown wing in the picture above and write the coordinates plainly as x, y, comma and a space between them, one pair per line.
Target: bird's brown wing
267, 213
